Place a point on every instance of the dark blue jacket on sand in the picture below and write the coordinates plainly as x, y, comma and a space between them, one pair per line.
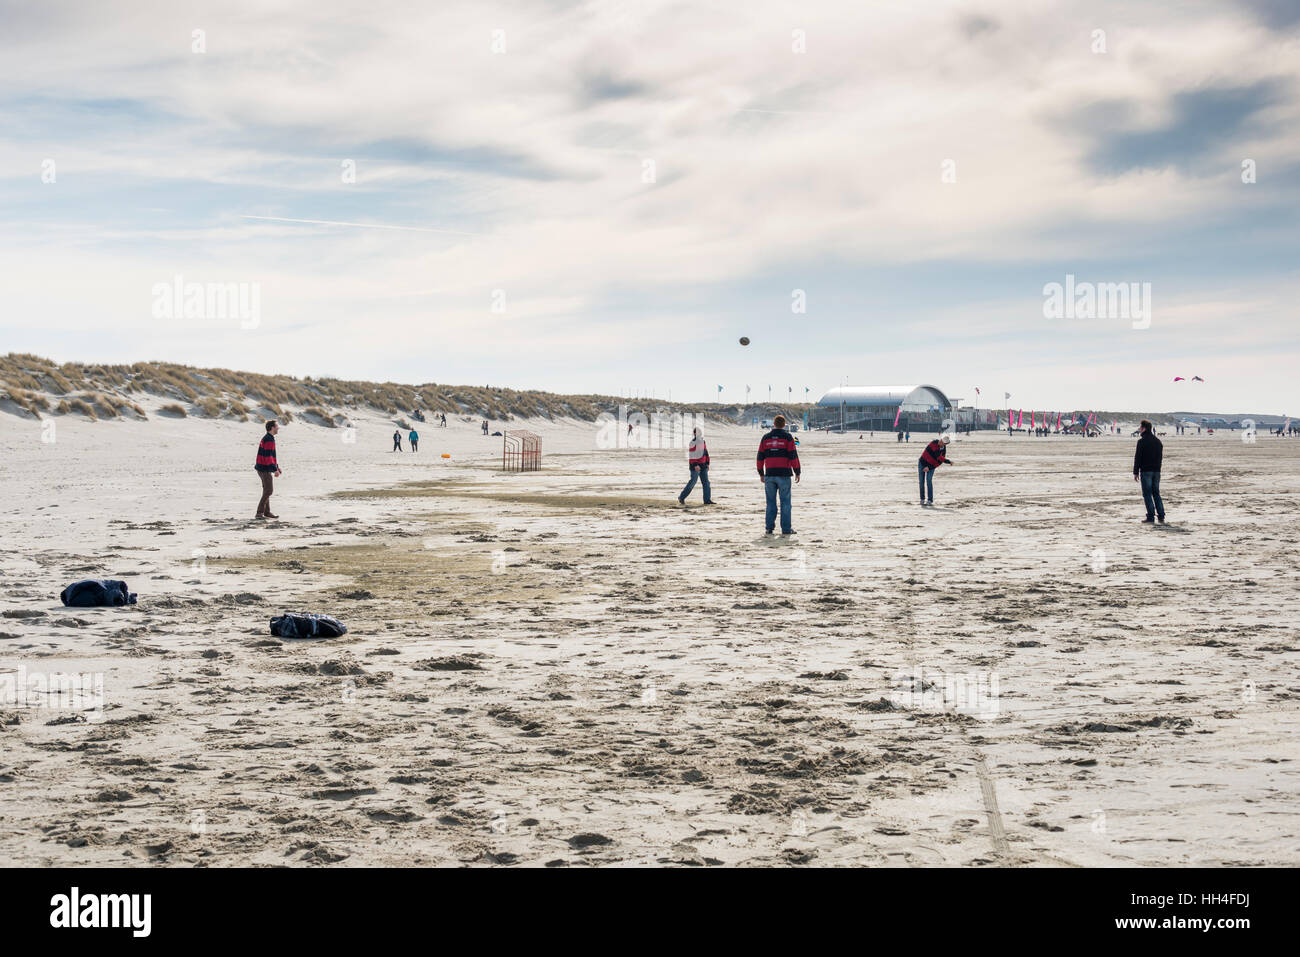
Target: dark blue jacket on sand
93, 592
307, 626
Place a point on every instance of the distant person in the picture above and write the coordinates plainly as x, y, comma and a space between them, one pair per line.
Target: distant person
778, 459
908, 437
699, 466
934, 455
485, 426
397, 441
1146, 470
414, 439
266, 467
444, 420
900, 435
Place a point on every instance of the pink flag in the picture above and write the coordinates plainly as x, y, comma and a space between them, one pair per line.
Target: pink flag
1033, 423
896, 415
1058, 421
1020, 418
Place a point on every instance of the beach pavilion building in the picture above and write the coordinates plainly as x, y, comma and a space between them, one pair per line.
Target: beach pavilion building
916, 408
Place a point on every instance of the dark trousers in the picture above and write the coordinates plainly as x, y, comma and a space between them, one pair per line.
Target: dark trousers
1151, 494
268, 482
777, 489
925, 475
702, 476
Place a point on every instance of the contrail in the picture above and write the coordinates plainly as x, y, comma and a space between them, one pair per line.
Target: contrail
331, 222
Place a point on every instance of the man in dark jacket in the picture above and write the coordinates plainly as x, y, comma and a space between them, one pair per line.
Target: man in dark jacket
397, 440
266, 467
935, 454
1146, 470
778, 459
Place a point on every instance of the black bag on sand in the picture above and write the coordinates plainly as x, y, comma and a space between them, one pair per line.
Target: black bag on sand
93, 592
307, 626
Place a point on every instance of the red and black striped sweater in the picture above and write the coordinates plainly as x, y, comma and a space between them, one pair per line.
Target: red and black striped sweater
934, 455
777, 454
266, 454
699, 454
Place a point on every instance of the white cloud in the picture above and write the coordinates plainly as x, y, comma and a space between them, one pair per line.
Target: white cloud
764, 159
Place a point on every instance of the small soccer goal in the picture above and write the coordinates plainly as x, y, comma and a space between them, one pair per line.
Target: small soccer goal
521, 451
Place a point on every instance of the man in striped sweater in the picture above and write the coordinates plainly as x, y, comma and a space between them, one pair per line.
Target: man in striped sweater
935, 454
699, 465
266, 467
778, 459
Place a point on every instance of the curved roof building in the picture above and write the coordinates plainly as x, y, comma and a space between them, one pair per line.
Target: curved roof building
913, 398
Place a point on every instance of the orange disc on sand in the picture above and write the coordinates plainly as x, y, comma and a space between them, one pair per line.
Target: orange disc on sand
446, 455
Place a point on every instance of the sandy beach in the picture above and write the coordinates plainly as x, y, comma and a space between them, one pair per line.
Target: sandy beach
566, 668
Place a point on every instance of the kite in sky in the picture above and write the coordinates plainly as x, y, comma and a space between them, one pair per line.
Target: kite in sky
1195, 378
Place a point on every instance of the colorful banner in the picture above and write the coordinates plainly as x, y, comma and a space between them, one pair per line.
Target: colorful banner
896, 415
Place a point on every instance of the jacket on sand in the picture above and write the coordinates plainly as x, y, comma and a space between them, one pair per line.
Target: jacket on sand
307, 626
92, 592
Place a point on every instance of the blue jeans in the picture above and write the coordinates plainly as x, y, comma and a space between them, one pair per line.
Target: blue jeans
925, 475
701, 476
1151, 494
775, 485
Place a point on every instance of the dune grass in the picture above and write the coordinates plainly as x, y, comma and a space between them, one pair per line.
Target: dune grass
238, 395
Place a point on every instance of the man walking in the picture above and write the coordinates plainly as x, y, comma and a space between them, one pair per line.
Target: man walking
1146, 470
397, 440
778, 459
266, 467
699, 465
935, 454
414, 438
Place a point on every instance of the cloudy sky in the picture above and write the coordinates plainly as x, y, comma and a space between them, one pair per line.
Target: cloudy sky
604, 196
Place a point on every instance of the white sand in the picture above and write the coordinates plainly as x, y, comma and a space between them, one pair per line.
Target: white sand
653, 684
